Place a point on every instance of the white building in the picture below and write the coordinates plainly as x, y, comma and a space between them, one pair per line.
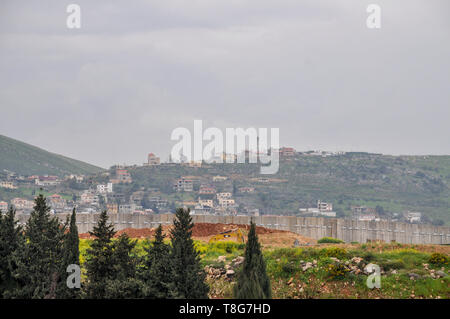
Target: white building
3, 206
413, 217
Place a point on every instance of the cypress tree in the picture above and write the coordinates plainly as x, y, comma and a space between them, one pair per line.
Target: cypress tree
189, 277
10, 239
99, 260
157, 271
124, 283
252, 279
71, 256
39, 258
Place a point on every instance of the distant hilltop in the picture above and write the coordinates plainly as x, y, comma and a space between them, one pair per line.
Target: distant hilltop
24, 159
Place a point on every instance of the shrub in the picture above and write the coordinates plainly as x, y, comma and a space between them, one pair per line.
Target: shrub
336, 252
368, 257
392, 264
438, 259
289, 268
329, 240
337, 271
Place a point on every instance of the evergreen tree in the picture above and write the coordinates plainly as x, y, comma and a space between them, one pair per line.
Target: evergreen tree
124, 283
39, 258
252, 280
189, 277
71, 256
99, 261
10, 239
157, 271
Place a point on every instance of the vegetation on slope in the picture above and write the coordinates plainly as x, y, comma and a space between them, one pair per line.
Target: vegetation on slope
392, 184
25, 159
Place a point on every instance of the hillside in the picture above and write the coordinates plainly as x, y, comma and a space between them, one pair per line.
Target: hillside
25, 159
394, 183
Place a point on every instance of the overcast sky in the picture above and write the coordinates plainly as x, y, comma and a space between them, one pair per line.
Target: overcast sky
115, 89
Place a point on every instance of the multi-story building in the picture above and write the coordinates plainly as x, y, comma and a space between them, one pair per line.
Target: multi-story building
201, 210
152, 159
367, 217
223, 195
129, 208
7, 184
3, 206
22, 204
88, 197
206, 202
206, 190
286, 151
219, 178
56, 202
226, 202
184, 185
324, 207
121, 176
112, 208
47, 181
246, 189
413, 217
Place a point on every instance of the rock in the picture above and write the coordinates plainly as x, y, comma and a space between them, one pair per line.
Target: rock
238, 261
441, 274
221, 258
230, 273
227, 266
307, 266
413, 276
356, 260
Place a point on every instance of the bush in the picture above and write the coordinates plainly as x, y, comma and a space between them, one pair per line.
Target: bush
368, 257
336, 252
438, 259
329, 240
337, 271
392, 264
289, 268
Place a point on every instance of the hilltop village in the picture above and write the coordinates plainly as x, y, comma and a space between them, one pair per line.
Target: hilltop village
207, 189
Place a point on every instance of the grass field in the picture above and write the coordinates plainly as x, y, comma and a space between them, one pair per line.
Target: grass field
285, 267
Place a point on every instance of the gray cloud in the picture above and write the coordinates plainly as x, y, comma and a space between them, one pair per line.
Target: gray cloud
114, 90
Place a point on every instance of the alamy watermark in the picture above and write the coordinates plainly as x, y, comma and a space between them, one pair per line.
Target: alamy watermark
74, 279
73, 20
374, 279
374, 19
241, 145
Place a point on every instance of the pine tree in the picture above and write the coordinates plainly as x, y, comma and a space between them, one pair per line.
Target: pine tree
10, 239
252, 280
99, 261
39, 258
157, 271
71, 256
189, 277
124, 283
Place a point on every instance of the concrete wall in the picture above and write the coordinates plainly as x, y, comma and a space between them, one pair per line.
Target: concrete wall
313, 227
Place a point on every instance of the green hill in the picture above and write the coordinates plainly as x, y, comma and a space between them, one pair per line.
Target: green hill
25, 159
393, 183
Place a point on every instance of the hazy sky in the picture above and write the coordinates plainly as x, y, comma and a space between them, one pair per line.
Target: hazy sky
115, 89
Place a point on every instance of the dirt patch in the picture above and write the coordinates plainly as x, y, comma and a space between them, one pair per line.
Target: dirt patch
204, 231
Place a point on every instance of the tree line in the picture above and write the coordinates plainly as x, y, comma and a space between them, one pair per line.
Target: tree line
34, 261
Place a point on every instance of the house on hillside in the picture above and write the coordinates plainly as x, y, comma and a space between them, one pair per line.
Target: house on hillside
152, 160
